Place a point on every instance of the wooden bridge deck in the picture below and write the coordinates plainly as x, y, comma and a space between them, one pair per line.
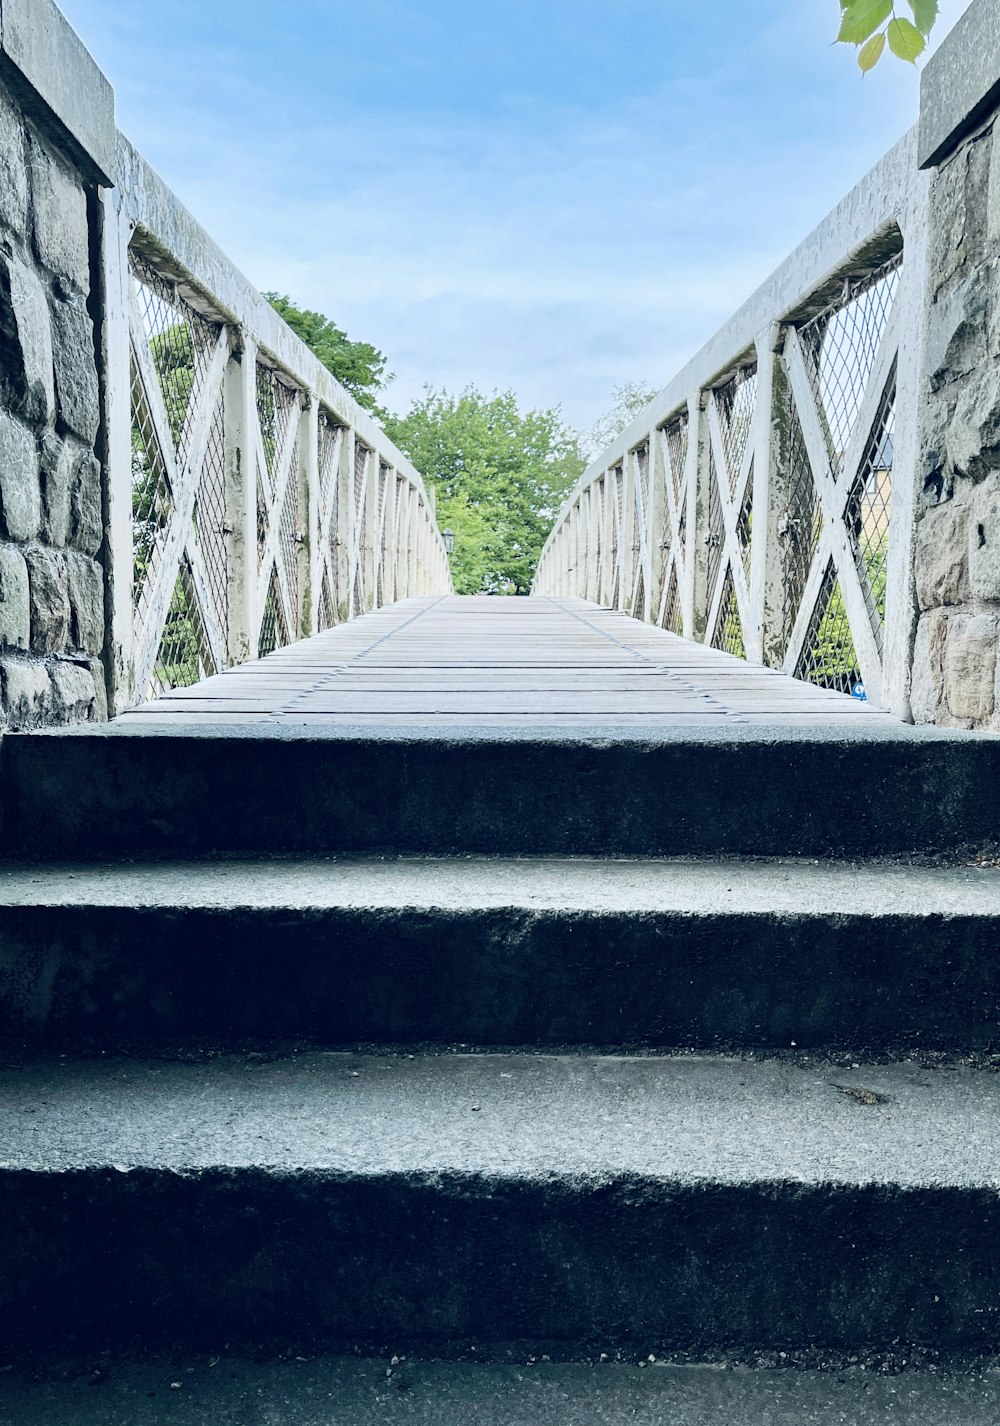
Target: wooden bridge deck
502, 663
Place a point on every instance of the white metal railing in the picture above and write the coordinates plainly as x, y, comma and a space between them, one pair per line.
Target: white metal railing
253, 502
763, 502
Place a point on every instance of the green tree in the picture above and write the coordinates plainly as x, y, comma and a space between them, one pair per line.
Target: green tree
874, 25
499, 477
358, 366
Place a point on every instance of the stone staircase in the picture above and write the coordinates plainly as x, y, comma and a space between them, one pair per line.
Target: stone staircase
391, 1077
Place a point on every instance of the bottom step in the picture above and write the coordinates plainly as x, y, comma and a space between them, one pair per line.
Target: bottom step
598, 1201
352, 1392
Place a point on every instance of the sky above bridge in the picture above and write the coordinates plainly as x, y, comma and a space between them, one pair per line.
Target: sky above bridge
556, 196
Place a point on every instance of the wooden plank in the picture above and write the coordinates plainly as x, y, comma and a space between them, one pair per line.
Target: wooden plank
502, 663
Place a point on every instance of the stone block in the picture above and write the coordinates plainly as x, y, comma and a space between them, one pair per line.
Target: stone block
59, 456
934, 417
76, 697
50, 610
27, 693
993, 190
86, 598
78, 401
941, 556
973, 441
15, 606
20, 494
977, 185
13, 169
991, 272
927, 684
86, 516
100, 714
71, 491
984, 540
59, 216
957, 330
26, 370
947, 221
970, 666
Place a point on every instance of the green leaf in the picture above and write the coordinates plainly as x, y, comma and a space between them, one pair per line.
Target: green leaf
925, 12
905, 40
862, 18
871, 52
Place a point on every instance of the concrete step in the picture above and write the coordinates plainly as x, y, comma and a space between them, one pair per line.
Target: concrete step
868, 790
662, 954
594, 1202
346, 1391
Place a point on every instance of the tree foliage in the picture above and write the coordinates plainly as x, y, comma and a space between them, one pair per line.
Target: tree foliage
626, 403
499, 477
358, 366
874, 25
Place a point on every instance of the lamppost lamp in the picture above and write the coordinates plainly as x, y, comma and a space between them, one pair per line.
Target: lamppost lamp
449, 541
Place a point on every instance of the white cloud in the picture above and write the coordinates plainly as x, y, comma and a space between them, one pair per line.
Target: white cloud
561, 242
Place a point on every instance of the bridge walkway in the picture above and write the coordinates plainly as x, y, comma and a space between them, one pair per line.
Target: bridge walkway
563, 663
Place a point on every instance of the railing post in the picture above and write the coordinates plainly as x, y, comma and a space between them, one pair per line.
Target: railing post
657, 523
628, 533
595, 516
369, 517
913, 302
412, 515
763, 637
572, 568
389, 543
307, 536
399, 543
120, 634
392, 544
347, 524
609, 548
695, 593
422, 572
241, 499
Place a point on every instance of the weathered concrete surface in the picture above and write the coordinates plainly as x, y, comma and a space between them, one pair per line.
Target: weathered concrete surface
779, 888
352, 1199
960, 85
372, 1392
544, 952
41, 49
529, 789
592, 1119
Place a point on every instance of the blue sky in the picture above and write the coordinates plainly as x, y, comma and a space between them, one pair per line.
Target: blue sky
556, 196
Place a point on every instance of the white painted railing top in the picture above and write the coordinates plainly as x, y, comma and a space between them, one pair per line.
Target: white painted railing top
253, 501
762, 502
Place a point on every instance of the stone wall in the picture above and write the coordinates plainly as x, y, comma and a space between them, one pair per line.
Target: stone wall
51, 529
957, 537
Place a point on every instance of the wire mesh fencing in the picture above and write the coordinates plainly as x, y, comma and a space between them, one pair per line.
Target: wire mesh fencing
759, 513
254, 518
